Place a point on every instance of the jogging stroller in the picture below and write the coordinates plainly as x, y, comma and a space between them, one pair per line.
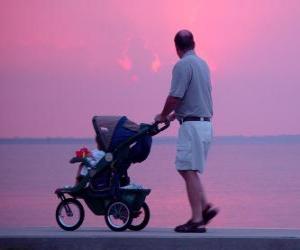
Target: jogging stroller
103, 188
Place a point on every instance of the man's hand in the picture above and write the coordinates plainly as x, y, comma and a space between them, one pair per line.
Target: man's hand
160, 118
171, 117
170, 105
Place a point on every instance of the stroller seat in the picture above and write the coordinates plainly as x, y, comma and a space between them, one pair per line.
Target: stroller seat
113, 134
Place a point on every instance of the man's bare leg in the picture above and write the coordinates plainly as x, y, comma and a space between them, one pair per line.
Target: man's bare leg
195, 193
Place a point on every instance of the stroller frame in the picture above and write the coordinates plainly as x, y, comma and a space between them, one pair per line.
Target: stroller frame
119, 206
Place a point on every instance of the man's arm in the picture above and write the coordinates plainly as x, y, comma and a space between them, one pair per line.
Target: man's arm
170, 105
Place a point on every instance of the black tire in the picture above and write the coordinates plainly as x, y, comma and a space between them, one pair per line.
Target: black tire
74, 206
119, 211
146, 213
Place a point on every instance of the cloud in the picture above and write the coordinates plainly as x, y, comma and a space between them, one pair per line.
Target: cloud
156, 64
125, 62
134, 78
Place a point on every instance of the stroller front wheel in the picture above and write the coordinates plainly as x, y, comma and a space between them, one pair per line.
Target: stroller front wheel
69, 214
118, 216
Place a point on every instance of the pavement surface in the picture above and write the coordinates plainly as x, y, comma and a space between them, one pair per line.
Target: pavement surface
55, 232
149, 238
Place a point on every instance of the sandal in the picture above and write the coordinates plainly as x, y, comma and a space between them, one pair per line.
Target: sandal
191, 227
209, 213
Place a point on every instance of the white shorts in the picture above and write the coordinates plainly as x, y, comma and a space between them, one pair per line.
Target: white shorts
194, 139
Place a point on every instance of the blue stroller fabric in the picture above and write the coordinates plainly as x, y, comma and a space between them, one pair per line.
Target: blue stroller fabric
140, 150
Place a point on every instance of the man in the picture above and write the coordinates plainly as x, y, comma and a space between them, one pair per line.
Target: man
190, 102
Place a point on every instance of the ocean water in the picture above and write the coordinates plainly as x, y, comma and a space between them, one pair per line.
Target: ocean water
254, 185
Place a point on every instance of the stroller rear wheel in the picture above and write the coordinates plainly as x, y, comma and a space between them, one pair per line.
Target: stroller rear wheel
69, 214
140, 218
118, 216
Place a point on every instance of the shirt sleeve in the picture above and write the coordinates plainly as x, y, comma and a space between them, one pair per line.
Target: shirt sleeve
181, 77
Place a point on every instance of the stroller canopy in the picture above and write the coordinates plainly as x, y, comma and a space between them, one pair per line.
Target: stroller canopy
105, 127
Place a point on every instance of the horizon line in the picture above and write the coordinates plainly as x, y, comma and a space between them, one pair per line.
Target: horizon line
268, 139
168, 136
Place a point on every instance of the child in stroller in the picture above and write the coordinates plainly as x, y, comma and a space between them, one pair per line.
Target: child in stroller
123, 143
92, 157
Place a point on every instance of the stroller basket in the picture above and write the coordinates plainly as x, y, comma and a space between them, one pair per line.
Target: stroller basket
134, 197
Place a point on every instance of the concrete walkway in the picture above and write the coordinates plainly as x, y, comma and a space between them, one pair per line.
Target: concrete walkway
150, 238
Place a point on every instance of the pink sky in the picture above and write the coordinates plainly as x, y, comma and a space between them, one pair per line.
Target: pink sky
61, 62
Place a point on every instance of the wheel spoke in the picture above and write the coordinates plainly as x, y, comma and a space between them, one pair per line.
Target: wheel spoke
69, 214
118, 215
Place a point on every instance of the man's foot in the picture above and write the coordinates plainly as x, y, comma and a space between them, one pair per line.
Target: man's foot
191, 227
209, 213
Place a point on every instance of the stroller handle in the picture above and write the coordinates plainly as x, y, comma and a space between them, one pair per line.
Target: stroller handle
151, 130
155, 129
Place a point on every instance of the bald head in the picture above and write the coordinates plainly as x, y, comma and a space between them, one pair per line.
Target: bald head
184, 40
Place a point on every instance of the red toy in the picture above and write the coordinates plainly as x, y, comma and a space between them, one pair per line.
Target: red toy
83, 152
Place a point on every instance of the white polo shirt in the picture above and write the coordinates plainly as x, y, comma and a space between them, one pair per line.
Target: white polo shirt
191, 83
